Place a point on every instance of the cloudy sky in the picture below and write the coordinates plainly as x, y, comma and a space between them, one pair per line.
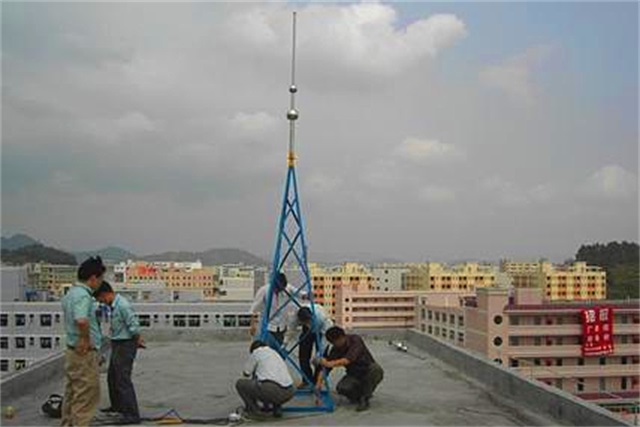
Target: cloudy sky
434, 131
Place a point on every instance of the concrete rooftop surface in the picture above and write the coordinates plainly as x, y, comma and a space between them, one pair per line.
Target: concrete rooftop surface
197, 379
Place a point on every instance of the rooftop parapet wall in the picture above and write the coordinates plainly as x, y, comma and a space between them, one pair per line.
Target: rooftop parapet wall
536, 396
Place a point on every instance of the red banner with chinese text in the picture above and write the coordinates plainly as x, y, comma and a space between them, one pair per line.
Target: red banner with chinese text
597, 331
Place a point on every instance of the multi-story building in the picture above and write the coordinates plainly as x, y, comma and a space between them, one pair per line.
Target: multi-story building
544, 341
389, 277
176, 275
579, 281
326, 282
442, 315
13, 281
49, 279
465, 277
374, 309
32, 331
238, 282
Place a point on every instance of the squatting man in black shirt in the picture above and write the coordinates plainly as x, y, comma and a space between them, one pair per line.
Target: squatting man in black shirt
363, 373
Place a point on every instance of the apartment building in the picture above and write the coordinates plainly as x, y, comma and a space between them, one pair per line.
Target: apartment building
465, 277
546, 341
575, 282
13, 281
49, 279
442, 315
33, 331
327, 281
374, 309
389, 277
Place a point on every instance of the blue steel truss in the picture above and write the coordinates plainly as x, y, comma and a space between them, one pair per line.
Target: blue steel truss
291, 254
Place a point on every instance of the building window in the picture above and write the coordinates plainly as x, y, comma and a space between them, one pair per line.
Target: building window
45, 320
244, 320
623, 383
21, 342
452, 335
57, 318
559, 363
497, 341
4, 365
430, 315
497, 319
514, 341
452, 319
45, 342
437, 316
537, 341
602, 384
194, 320
514, 320
559, 383
145, 320
580, 384
461, 337
19, 364
4, 342
430, 329
21, 319
603, 360
229, 321
536, 362
623, 360
4, 320
537, 320
514, 363
581, 361
179, 320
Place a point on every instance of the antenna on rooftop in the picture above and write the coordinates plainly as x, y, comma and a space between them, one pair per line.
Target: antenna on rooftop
290, 254
292, 114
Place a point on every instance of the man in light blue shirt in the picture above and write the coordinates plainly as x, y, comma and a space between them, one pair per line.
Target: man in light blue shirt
83, 338
125, 341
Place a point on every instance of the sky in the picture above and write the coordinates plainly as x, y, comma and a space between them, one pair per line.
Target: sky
427, 131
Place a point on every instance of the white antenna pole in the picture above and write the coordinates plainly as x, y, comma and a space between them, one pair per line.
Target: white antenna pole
292, 114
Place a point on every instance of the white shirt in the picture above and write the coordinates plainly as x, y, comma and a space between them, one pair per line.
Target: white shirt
266, 364
279, 321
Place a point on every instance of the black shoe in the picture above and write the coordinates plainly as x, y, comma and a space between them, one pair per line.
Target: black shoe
129, 419
108, 410
277, 411
363, 404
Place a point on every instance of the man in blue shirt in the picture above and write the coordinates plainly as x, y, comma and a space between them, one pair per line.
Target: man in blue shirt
83, 339
125, 341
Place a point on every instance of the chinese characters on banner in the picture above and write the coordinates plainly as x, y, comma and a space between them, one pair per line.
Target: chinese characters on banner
597, 331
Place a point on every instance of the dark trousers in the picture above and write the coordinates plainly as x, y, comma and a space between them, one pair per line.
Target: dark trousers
121, 392
356, 387
268, 392
307, 341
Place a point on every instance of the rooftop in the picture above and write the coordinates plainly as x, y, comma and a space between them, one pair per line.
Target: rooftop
195, 375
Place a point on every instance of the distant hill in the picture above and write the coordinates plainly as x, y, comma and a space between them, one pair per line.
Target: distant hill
110, 254
209, 257
621, 262
17, 241
37, 253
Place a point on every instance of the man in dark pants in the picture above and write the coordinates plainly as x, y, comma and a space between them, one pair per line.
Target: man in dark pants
312, 329
125, 341
363, 373
280, 311
267, 381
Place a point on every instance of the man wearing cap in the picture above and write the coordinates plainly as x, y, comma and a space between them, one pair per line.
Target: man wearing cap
83, 339
125, 341
280, 311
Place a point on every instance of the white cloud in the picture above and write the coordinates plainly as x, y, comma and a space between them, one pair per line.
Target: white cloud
428, 151
514, 75
254, 124
359, 38
437, 194
135, 122
505, 192
611, 182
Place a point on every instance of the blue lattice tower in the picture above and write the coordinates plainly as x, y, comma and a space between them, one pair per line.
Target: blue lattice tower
291, 254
